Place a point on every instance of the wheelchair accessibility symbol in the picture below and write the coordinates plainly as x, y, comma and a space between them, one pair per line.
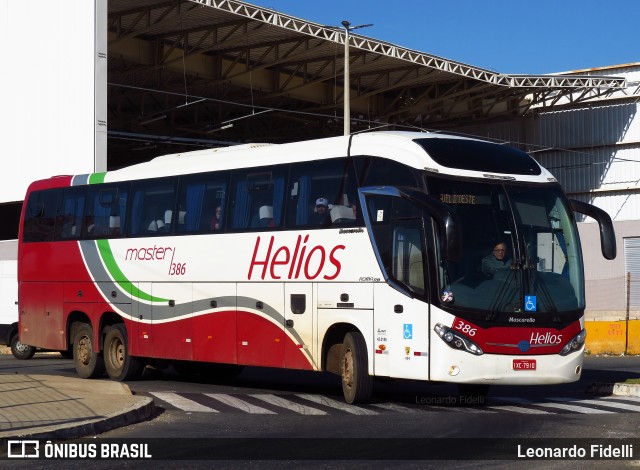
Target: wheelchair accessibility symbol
408, 331
530, 303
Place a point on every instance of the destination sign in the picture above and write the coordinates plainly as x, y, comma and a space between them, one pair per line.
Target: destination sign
471, 199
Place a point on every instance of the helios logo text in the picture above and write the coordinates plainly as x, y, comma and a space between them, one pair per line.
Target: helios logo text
303, 260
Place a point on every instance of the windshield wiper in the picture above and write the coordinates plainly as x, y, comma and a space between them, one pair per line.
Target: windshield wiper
502, 296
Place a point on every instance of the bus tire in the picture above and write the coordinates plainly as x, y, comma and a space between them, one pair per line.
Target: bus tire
119, 364
89, 364
21, 350
357, 384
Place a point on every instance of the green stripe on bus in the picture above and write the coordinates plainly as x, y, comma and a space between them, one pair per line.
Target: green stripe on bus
97, 178
117, 275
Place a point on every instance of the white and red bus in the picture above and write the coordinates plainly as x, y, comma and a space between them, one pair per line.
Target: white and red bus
360, 255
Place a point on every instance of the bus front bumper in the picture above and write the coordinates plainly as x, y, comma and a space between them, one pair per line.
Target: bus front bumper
461, 367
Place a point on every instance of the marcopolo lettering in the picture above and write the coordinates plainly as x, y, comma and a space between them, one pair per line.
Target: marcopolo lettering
302, 260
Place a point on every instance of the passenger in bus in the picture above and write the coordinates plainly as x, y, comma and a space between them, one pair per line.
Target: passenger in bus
168, 219
320, 214
497, 259
216, 221
265, 215
342, 214
89, 225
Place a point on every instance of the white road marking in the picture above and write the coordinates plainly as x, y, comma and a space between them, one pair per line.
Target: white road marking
242, 405
396, 407
602, 402
183, 403
290, 405
561, 406
354, 410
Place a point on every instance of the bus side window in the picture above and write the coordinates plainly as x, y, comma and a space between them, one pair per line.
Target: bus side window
331, 180
202, 199
258, 199
39, 224
151, 201
408, 253
105, 211
70, 218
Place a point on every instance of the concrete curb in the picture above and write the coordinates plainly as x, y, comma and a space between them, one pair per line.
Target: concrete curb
618, 389
56, 407
142, 409
136, 413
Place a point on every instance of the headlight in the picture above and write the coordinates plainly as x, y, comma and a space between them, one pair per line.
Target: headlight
576, 343
457, 341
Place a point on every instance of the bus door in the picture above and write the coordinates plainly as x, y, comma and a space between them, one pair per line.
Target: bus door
300, 326
260, 324
401, 335
401, 313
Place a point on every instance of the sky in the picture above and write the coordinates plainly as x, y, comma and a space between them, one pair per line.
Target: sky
505, 36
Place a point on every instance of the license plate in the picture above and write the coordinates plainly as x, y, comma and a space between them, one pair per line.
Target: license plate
524, 364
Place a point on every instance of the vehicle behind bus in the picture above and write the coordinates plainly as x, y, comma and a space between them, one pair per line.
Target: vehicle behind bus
9, 311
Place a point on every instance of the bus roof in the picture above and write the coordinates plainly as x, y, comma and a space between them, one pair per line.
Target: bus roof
403, 147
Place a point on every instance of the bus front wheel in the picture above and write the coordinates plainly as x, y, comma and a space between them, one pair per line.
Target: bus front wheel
89, 364
119, 364
357, 384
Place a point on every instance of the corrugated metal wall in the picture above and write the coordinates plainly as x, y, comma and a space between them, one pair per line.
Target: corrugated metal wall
596, 125
632, 266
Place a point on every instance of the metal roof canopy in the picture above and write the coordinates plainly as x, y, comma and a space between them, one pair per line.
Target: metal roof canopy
186, 74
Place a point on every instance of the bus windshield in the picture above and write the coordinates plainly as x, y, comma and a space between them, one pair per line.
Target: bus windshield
520, 255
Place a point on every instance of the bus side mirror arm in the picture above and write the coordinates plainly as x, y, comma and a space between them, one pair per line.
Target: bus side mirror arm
607, 234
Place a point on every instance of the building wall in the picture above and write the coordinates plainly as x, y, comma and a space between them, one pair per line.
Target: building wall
53, 90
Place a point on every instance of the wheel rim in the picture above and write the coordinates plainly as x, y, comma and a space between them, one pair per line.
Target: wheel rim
84, 350
347, 368
117, 353
21, 348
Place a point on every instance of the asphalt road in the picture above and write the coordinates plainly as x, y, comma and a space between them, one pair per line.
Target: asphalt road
273, 409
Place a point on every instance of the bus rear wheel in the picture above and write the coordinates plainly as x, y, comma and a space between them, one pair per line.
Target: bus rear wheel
119, 364
357, 384
89, 364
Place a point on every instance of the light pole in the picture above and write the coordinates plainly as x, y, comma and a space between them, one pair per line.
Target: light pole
347, 104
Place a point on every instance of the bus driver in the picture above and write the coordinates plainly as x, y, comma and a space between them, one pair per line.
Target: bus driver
495, 260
